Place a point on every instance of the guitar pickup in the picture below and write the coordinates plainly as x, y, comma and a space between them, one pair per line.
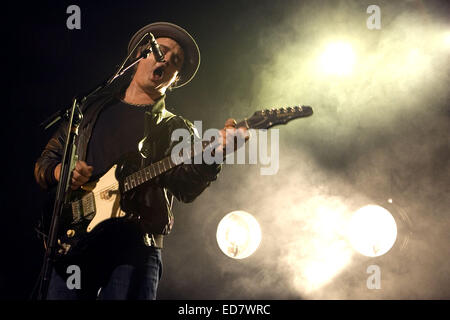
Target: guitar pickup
88, 203
83, 208
77, 211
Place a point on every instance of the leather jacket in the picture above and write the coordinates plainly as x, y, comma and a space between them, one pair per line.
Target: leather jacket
153, 199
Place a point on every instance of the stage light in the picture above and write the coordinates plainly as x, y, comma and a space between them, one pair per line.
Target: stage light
447, 39
414, 56
238, 234
337, 59
372, 230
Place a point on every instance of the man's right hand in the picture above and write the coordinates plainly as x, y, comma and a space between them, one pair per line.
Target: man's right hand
80, 174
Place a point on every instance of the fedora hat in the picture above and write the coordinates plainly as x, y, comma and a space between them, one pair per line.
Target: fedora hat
182, 37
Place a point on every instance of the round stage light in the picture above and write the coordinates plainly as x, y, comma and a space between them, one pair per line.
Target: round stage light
238, 234
372, 231
337, 59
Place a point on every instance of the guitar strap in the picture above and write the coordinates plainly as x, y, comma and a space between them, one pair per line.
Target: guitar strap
151, 120
145, 144
153, 116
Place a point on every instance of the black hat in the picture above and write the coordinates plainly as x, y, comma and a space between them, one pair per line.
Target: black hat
183, 38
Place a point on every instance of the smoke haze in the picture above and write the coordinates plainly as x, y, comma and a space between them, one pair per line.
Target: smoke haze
379, 133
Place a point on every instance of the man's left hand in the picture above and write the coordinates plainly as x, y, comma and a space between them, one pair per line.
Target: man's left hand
232, 136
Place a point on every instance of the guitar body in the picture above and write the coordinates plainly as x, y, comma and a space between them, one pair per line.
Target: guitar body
96, 202
106, 197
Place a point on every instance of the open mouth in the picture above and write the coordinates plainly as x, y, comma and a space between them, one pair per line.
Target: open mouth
158, 73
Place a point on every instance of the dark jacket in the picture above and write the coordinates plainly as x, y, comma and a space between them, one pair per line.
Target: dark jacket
154, 199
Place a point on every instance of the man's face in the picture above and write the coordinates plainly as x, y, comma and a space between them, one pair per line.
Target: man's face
153, 76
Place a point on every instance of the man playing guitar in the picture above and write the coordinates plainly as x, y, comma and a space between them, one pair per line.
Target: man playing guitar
121, 258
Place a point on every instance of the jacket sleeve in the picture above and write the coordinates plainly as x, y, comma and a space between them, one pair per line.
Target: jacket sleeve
187, 181
50, 157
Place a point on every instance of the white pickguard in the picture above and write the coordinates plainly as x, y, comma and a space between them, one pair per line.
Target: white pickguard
107, 199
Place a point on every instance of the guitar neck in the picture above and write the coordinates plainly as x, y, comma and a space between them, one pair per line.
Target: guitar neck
146, 174
263, 119
155, 169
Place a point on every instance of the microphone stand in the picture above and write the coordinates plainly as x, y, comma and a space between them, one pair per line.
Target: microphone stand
74, 117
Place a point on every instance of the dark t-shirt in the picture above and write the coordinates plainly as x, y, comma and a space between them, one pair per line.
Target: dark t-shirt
117, 131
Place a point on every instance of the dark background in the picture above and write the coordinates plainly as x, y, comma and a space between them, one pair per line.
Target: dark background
47, 64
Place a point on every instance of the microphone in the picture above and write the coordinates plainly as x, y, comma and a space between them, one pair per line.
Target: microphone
155, 49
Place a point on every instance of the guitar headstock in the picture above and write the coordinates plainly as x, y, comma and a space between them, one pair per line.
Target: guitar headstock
265, 119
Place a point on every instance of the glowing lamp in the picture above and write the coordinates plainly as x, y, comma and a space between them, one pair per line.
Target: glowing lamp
372, 231
238, 234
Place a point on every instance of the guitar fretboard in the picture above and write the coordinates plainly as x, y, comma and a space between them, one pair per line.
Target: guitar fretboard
263, 119
155, 169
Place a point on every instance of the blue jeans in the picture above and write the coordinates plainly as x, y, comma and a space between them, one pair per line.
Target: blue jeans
117, 266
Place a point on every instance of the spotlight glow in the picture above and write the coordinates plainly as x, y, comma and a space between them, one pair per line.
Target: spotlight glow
447, 39
238, 234
372, 231
337, 59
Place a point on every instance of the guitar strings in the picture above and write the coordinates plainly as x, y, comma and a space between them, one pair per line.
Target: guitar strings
116, 184
106, 188
152, 166
100, 191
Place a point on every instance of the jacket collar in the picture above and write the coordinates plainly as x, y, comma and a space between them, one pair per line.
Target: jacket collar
159, 106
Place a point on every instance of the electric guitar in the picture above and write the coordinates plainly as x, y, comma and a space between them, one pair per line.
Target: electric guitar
105, 198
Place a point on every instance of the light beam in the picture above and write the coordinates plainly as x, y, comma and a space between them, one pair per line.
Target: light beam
337, 59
